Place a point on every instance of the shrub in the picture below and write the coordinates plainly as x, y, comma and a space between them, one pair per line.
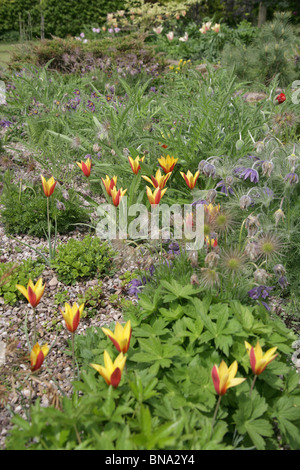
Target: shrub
79, 260
25, 209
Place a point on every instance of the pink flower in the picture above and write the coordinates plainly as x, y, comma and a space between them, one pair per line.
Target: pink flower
170, 35
184, 38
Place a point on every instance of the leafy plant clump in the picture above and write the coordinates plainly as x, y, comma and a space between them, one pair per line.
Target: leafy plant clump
166, 398
79, 260
25, 210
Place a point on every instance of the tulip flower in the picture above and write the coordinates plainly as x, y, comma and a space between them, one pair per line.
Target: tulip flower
33, 293
109, 183
158, 30
112, 371
85, 166
72, 316
170, 36
224, 377
37, 356
280, 98
167, 163
155, 197
135, 164
216, 27
117, 195
211, 242
121, 336
184, 38
190, 179
159, 181
48, 186
258, 360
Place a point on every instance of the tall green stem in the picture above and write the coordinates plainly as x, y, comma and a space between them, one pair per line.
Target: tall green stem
216, 412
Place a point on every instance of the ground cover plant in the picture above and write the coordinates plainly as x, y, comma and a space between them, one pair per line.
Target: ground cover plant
202, 358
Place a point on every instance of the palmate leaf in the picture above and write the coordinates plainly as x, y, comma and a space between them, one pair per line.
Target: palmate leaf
177, 291
285, 411
249, 419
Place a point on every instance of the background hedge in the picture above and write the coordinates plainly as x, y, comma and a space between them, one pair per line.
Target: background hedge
62, 17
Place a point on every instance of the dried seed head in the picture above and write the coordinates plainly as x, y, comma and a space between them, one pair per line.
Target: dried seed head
245, 202
261, 276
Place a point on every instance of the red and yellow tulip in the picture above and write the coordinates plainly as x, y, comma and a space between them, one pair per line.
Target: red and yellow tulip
155, 197
121, 336
37, 356
48, 186
117, 195
224, 377
190, 179
159, 181
72, 315
135, 164
112, 371
258, 360
167, 163
85, 166
109, 183
211, 242
33, 293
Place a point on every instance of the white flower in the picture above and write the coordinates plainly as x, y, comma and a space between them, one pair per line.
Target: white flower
170, 35
184, 38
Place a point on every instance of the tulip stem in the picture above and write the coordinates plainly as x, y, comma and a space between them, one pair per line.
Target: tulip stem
216, 412
34, 327
253, 383
73, 354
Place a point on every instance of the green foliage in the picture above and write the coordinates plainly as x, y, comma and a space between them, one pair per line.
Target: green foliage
78, 260
269, 55
166, 397
61, 17
19, 274
92, 300
25, 209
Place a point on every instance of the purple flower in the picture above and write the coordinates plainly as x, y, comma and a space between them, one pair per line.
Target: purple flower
282, 281
248, 173
259, 292
225, 189
117, 30
174, 248
135, 287
291, 178
91, 106
4, 123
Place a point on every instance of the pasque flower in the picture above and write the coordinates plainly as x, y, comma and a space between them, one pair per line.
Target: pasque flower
117, 195
155, 197
135, 164
112, 371
33, 293
121, 336
37, 356
85, 166
224, 377
258, 360
72, 315
159, 181
167, 163
109, 183
48, 186
190, 179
